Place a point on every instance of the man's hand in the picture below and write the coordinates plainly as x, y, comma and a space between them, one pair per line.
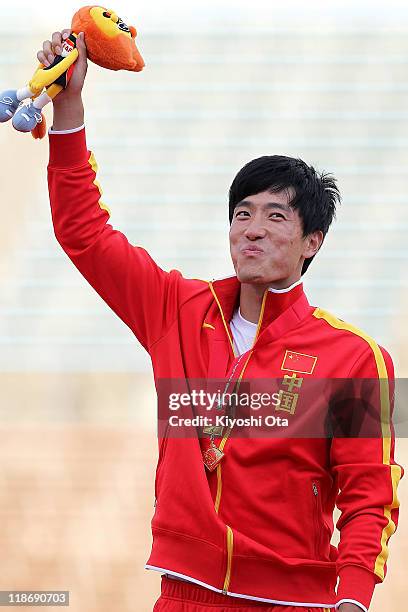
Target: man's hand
68, 107
53, 47
349, 607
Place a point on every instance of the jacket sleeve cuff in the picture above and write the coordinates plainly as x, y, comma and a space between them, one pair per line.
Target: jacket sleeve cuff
68, 150
356, 583
71, 131
353, 601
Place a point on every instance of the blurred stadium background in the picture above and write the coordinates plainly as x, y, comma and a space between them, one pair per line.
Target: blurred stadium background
224, 82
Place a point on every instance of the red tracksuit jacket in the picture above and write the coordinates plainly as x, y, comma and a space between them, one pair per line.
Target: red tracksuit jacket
260, 525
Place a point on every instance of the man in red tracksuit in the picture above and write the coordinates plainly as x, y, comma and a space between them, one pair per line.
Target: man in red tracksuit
246, 522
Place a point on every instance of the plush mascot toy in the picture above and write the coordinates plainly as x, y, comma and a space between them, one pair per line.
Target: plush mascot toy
110, 43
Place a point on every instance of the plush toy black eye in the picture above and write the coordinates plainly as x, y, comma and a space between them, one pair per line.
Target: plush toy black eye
106, 14
122, 26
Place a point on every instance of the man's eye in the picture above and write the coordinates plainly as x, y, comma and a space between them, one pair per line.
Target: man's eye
240, 212
277, 214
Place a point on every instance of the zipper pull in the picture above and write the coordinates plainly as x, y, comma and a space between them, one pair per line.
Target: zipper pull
315, 490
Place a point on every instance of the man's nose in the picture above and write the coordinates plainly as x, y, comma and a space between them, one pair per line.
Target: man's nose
255, 229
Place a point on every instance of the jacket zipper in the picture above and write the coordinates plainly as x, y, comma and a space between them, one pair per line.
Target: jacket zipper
226, 435
230, 545
230, 535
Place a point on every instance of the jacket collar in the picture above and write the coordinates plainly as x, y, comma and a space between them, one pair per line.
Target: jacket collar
283, 307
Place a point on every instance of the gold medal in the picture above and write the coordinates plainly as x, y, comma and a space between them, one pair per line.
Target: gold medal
212, 457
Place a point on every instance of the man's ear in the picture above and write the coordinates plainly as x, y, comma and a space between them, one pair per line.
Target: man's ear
313, 242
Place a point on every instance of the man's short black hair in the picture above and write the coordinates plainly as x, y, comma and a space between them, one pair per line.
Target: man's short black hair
316, 194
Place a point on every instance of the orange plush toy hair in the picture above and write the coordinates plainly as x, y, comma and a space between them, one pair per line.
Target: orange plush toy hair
110, 43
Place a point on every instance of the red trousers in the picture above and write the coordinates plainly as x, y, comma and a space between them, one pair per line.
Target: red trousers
179, 596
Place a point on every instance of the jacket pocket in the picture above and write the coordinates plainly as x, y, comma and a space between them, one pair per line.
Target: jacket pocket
320, 529
316, 531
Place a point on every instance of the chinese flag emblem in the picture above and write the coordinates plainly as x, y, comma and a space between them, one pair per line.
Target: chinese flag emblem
298, 362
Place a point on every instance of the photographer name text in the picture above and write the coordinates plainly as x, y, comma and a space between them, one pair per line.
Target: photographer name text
227, 421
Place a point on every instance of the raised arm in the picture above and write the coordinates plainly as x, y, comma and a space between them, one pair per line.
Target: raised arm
143, 295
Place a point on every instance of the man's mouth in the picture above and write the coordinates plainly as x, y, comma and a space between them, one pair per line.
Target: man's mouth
252, 251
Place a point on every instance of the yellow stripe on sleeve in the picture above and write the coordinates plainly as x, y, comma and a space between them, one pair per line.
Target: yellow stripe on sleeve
395, 470
94, 166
